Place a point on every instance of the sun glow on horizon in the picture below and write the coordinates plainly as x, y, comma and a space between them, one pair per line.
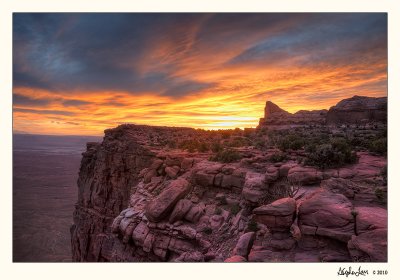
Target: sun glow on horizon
188, 70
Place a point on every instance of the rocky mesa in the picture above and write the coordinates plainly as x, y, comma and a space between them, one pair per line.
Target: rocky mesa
311, 194
354, 110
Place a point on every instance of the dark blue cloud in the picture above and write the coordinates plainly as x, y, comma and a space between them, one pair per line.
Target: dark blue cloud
19, 99
67, 52
322, 38
74, 103
44, 112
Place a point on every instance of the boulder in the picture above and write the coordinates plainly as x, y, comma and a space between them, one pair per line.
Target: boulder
156, 164
370, 246
187, 163
149, 175
203, 179
281, 207
254, 187
160, 245
304, 175
181, 208
284, 169
195, 213
244, 244
370, 218
277, 216
236, 179
172, 172
329, 213
340, 185
139, 234
271, 175
161, 206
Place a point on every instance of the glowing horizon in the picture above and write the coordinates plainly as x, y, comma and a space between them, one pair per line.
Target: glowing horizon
78, 74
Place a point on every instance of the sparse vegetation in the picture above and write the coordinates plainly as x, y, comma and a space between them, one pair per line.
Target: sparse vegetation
227, 155
207, 230
278, 157
218, 211
334, 154
378, 146
384, 174
234, 209
380, 194
252, 226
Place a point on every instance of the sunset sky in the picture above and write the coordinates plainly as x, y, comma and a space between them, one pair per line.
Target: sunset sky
82, 73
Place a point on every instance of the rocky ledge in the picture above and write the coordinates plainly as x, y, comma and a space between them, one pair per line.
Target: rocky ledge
139, 201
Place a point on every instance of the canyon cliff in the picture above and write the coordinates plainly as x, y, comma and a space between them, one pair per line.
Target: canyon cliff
143, 197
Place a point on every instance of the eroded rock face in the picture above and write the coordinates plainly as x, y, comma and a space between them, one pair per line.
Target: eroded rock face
107, 172
161, 206
354, 110
327, 214
370, 246
304, 175
274, 115
358, 109
141, 202
277, 216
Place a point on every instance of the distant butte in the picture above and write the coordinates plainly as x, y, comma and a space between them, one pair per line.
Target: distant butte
354, 110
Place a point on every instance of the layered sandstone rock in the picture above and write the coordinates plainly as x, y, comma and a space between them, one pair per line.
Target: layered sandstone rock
358, 109
354, 110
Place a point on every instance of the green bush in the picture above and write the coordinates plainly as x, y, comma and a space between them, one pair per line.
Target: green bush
207, 230
234, 209
203, 147
335, 154
226, 156
378, 146
252, 226
278, 157
218, 211
290, 141
216, 147
384, 174
380, 194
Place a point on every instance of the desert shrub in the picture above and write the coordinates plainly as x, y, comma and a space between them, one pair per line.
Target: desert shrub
226, 134
252, 226
238, 141
218, 211
260, 143
337, 153
380, 195
203, 147
171, 144
207, 230
226, 156
378, 146
384, 174
278, 157
216, 147
290, 141
286, 188
234, 209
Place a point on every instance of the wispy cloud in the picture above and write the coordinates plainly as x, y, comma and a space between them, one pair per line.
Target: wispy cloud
97, 70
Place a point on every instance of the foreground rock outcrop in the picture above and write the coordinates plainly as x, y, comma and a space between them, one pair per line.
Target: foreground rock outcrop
143, 199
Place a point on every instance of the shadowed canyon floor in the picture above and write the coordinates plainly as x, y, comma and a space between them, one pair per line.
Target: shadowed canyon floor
45, 171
